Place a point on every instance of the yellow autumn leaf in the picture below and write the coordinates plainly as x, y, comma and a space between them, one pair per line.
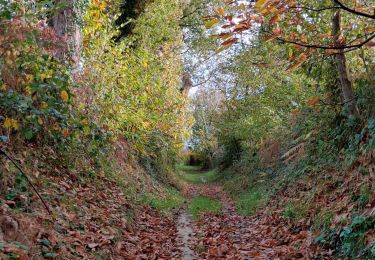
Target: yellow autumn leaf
57, 128
102, 6
8, 123
29, 78
212, 23
85, 121
224, 47
44, 76
3, 87
220, 11
260, 3
28, 91
64, 95
43, 105
40, 121
15, 124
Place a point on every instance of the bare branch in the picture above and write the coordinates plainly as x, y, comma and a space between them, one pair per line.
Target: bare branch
314, 9
344, 7
343, 47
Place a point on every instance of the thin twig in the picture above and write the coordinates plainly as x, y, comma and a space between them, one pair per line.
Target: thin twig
28, 180
354, 46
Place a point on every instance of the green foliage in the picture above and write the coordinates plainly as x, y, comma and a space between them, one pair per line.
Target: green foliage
352, 238
350, 241
136, 89
20, 187
37, 92
364, 196
200, 205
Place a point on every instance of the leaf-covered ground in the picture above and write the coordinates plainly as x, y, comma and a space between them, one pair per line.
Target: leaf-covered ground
231, 236
95, 220
89, 221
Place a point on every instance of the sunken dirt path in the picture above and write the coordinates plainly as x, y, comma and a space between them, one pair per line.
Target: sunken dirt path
228, 235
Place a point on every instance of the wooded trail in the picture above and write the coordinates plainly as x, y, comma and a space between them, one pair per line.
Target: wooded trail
228, 235
187, 129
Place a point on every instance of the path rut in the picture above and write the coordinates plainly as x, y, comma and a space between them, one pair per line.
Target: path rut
185, 235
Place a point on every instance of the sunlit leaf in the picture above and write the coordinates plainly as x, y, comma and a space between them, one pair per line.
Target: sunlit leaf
260, 3
64, 95
220, 11
369, 29
8, 123
211, 23
274, 19
313, 101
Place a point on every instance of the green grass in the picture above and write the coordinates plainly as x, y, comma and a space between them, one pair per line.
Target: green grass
173, 200
295, 210
188, 168
247, 203
322, 220
195, 175
201, 205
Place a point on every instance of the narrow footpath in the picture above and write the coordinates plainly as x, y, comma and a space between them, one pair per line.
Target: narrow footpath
228, 235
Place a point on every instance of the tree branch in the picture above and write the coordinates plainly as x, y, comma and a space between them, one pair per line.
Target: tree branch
344, 7
27, 178
313, 9
353, 46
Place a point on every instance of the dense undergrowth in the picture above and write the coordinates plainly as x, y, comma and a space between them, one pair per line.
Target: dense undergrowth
95, 135
277, 124
94, 115
331, 188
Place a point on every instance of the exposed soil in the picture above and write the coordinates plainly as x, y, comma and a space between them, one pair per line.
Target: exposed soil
185, 236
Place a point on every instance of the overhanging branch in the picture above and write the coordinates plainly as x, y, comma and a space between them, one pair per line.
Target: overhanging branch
344, 7
315, 46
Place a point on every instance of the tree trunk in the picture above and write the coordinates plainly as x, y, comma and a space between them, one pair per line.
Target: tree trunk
65, 23
346, 84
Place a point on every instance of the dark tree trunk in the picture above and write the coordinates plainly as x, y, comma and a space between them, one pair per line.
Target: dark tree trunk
346, 84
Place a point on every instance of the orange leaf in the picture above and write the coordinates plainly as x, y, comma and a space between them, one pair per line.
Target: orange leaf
66, 132
227, 26
369, 29
274, 19
312, 102
64, 95
277, 30
229, 42
268, 38
225, 35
